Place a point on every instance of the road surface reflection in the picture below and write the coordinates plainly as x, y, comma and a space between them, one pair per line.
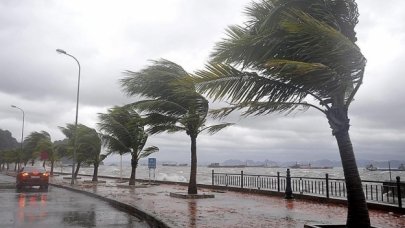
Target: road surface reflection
32, 207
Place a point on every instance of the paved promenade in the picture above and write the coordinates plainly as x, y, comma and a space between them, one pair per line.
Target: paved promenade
227, 209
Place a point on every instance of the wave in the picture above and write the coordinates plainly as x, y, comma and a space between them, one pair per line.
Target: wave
171, 177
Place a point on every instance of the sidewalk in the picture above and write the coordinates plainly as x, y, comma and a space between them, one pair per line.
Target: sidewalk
227, 209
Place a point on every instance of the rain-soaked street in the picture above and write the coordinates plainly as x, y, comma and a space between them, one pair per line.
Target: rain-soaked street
228, 209
57, 208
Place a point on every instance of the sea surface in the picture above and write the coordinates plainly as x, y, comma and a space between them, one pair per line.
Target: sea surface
182, 173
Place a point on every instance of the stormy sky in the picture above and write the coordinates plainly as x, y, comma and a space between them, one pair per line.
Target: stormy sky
109, 37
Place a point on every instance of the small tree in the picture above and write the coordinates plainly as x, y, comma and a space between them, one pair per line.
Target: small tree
88, 145
123, 132
31, 150
51, 150
8, 156
92, 142
7, 141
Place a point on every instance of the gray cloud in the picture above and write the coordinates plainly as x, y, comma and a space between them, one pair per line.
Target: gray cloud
124, 35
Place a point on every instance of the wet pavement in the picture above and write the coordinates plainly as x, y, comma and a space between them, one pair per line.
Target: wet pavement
227, 209
57, 207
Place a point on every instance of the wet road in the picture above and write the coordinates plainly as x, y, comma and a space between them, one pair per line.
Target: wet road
57, 208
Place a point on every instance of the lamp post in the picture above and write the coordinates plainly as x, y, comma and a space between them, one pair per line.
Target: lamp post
60, 51
22, 130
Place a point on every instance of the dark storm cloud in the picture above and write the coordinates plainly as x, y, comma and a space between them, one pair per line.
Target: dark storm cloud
110, 37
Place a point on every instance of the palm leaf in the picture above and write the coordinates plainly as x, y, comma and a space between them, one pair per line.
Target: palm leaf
169, 128
216, 128
154, 81
114, 145
163, 107
221, 81
300, 32
148, 151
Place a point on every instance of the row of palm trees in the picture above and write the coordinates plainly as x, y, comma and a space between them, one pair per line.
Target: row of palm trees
290, 55
121, 131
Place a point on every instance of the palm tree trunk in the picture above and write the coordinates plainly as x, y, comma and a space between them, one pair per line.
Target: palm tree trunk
357, 215
52, 165
77, 169
134, 164
192, 185
95, 172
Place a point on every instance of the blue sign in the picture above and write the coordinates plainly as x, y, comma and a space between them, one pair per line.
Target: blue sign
152, 163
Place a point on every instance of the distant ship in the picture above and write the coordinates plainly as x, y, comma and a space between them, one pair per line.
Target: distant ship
371, 168
169, 164
309, 166
174, 164
217, 165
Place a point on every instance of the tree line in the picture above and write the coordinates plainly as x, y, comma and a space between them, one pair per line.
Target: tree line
122, 131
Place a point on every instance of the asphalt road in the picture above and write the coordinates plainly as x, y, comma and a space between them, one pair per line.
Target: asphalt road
57, 208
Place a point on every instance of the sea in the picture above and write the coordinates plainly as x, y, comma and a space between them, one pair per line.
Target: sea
204, 173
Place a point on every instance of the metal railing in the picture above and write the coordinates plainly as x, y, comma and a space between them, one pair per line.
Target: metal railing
388, 192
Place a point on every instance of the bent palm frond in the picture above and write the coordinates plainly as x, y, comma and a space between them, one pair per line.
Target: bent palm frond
213, 129
262, 108
163, 107
114, 144
148, 151
221, 81
288, 50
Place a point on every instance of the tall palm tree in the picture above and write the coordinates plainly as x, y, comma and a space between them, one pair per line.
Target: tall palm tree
295, 54
123, 132
171, 105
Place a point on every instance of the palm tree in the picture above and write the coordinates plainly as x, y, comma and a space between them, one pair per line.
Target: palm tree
172, 105
90, 142
45, 145
88, 146
291, 55
123, 132
31, 150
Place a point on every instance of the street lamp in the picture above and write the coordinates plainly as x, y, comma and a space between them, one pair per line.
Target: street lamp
60, 51
22, 130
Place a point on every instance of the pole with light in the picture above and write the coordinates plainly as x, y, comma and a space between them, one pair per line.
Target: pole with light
60, 51
22, 130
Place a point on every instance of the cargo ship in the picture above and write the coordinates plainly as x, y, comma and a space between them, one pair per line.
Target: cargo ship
309, 166
217, 165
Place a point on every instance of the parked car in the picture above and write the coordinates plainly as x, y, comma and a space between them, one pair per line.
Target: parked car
32, 176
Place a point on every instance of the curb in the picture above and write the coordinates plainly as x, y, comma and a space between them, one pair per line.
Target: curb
150, 219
